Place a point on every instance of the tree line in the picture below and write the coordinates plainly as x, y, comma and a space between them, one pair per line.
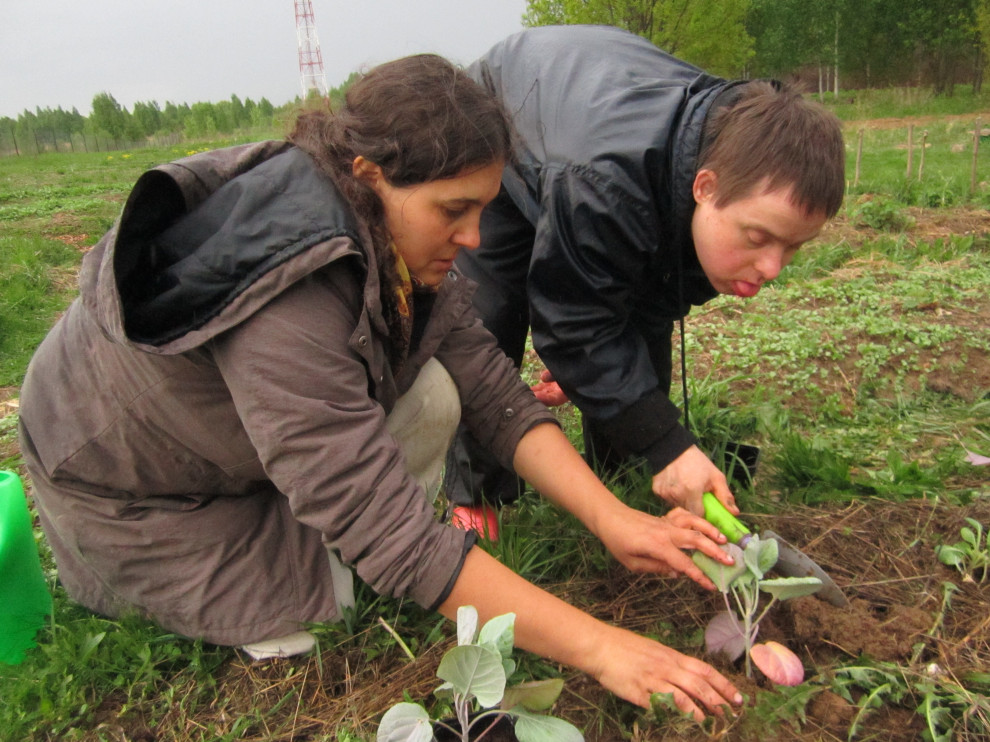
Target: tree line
111, 125
863, 43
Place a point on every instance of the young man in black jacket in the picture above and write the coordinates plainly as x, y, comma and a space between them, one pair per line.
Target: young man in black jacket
643, 186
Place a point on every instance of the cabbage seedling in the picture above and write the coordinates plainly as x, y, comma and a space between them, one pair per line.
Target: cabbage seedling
475, 673
971, 556
734, 632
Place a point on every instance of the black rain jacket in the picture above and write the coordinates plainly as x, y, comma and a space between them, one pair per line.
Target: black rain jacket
610, 130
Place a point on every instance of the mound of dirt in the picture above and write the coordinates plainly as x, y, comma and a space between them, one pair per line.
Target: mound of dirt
858, 629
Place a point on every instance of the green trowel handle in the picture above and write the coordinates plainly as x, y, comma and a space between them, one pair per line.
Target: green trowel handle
723, 520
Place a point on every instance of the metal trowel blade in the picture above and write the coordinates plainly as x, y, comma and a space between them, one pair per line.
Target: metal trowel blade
792, 562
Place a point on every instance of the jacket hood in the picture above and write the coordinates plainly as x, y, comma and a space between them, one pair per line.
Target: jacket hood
204, 242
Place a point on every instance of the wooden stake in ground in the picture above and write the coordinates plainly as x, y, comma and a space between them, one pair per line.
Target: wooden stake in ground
976, 150
859, 157
910, 152
921, 162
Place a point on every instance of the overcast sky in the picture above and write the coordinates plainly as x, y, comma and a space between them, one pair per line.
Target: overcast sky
63, 52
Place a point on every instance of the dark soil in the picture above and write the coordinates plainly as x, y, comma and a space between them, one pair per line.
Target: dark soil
490, 729
882, 555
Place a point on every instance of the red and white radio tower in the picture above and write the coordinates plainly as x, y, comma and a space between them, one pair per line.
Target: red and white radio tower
311, 74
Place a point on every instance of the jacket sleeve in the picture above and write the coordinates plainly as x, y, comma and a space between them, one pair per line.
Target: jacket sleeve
496, 405
301, 392
593, 260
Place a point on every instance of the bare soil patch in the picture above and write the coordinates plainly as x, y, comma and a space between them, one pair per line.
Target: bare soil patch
902, 122
928, 225
883, 556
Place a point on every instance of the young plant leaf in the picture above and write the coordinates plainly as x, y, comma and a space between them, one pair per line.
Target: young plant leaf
532, 727
474, 669
978, 528
725, 633
949, 555
784, 588
969, 536
500, 633
509, 665
761, 555
778, 663
536, 695
663, 706
405, 722
721, 574
467, 624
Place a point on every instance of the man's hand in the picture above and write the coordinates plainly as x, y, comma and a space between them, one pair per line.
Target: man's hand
688, 477
548, 391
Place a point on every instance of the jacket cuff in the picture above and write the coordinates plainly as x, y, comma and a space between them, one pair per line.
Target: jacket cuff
470, 540
649, 428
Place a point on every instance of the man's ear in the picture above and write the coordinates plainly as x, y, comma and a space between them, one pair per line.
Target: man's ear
705, 186
366, 171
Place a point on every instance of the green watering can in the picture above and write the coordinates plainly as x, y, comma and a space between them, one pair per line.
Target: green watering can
24, 597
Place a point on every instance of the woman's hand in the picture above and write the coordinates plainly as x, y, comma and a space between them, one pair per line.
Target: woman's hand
646, 543
629, 665
690, 476
641, 542
634, 667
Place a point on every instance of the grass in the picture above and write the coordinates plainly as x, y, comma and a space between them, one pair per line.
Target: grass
861, 105
851, 347
40, 275
857, 374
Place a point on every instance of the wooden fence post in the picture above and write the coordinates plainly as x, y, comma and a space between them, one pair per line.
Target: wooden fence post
921, 163
976, 150
859, 156
910, 151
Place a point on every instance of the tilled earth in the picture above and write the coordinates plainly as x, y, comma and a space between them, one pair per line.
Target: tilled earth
901, 614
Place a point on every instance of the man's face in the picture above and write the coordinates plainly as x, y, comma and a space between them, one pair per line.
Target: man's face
744, 244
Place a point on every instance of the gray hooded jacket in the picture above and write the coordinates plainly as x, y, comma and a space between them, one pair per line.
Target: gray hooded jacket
209, 413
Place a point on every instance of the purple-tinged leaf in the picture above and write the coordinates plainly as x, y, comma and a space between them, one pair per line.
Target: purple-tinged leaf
778, 663
977, 459
725, 633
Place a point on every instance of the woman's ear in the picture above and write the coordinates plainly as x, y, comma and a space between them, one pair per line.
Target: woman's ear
705, 186
366, 171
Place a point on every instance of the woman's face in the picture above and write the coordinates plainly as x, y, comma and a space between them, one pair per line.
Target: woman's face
430, 222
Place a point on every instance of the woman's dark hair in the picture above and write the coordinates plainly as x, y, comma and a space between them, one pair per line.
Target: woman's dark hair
771, 133
419, 119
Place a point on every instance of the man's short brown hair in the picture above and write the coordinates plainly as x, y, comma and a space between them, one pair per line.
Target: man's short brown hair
771, 133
